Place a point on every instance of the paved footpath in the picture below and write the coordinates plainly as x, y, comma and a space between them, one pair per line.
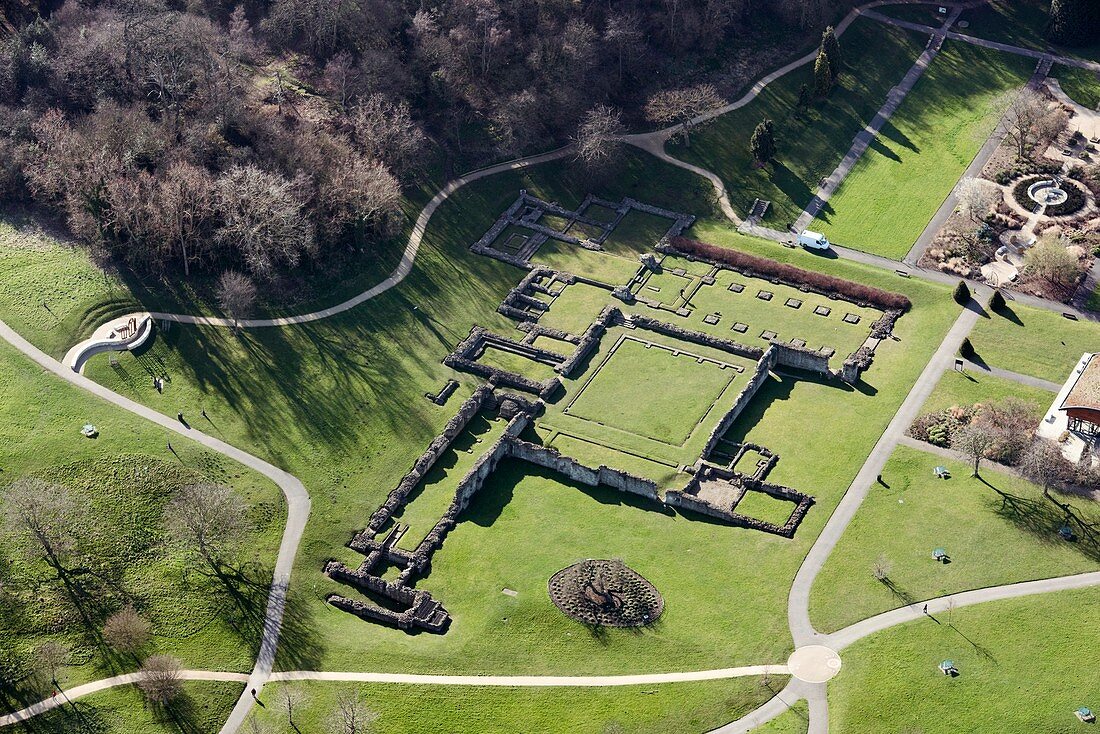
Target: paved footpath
297, 500
870, 132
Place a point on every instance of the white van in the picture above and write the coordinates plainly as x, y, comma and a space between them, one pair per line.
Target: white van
813, 240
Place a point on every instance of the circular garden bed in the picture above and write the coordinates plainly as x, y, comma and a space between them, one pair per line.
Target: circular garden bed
1074, 202
605, 594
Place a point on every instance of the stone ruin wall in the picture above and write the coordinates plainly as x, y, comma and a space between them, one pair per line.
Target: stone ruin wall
766, 361
423, 464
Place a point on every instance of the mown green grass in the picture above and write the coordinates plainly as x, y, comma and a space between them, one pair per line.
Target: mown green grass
679, 391
1025, 666
989, 543
678, 708
1020, 23
974, 386
772, 315
201, 709
902, 179
923, 14
876, 58
340, 404
796, 720
122, 481
636, 233
765, 507
1034, 341
1082, 85
576, 308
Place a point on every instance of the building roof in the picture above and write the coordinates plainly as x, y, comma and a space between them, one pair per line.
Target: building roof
1085, 392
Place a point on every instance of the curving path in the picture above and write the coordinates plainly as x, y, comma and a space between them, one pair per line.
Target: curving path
297, 500
298, 503
64, 697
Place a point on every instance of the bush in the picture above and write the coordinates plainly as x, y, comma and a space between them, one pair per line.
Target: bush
966, 349
763, 267
961, 294
997, 301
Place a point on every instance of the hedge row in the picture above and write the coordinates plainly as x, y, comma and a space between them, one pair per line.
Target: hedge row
791, 275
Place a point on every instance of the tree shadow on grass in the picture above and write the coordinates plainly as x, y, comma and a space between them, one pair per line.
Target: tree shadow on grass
248, 589
1041, 518
890, 131
882, 149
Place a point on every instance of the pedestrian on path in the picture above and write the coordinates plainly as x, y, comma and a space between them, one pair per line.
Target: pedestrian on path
926, 609
179, 416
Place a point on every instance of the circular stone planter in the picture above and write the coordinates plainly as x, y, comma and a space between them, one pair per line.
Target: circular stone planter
605, 593
1047, 192
1060, 197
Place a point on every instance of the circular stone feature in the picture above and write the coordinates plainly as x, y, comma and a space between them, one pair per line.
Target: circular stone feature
1047, 192
605, 594
814, 663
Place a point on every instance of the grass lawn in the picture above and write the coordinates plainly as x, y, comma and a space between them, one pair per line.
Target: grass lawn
1082, 85
956, 388
1026, 665
988, 545
676, 708
340, 404
765, 507
1020, 23
876, 57
795, 720
679, 391
576, 308
512, 362
902, 179
774, 315
51, 290
1034, 341
122, 481
201, 709
636, 233
923, 14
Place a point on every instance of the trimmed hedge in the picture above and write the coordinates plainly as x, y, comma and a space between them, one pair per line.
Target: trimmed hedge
765, 268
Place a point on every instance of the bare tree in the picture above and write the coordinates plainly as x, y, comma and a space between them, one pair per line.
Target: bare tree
43, 518
1044, 464
236, 295
386, 131
160, 680
882, 568
624, 32
977, 198
290, 697
49, 658
1050, 260
262, 218
974, 440
358, 196
599, 135
681, 106
208, 519
1029, 118
126, 630
351, 716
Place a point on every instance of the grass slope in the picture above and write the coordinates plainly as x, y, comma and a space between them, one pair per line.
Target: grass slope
680, 708
1026, 665
989, 544
1082, 85
876, 58
896, 187
122, 480
201, 709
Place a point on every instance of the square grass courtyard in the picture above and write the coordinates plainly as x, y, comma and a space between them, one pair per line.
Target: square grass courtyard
654, 391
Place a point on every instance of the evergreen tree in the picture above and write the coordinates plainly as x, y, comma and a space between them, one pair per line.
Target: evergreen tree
966, 349
962, 293
1074, 21
804, 97
823, 75
831, 47
996, 301
762, 143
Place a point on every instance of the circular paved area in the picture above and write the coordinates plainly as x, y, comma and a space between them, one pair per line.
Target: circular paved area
814, 663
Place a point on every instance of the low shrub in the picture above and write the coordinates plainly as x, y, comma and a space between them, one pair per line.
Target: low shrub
996, 301
1075, 201
792, 275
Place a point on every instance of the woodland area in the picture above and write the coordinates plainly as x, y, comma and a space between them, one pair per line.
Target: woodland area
180, 138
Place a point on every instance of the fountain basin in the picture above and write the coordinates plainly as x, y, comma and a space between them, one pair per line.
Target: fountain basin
1047, 192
